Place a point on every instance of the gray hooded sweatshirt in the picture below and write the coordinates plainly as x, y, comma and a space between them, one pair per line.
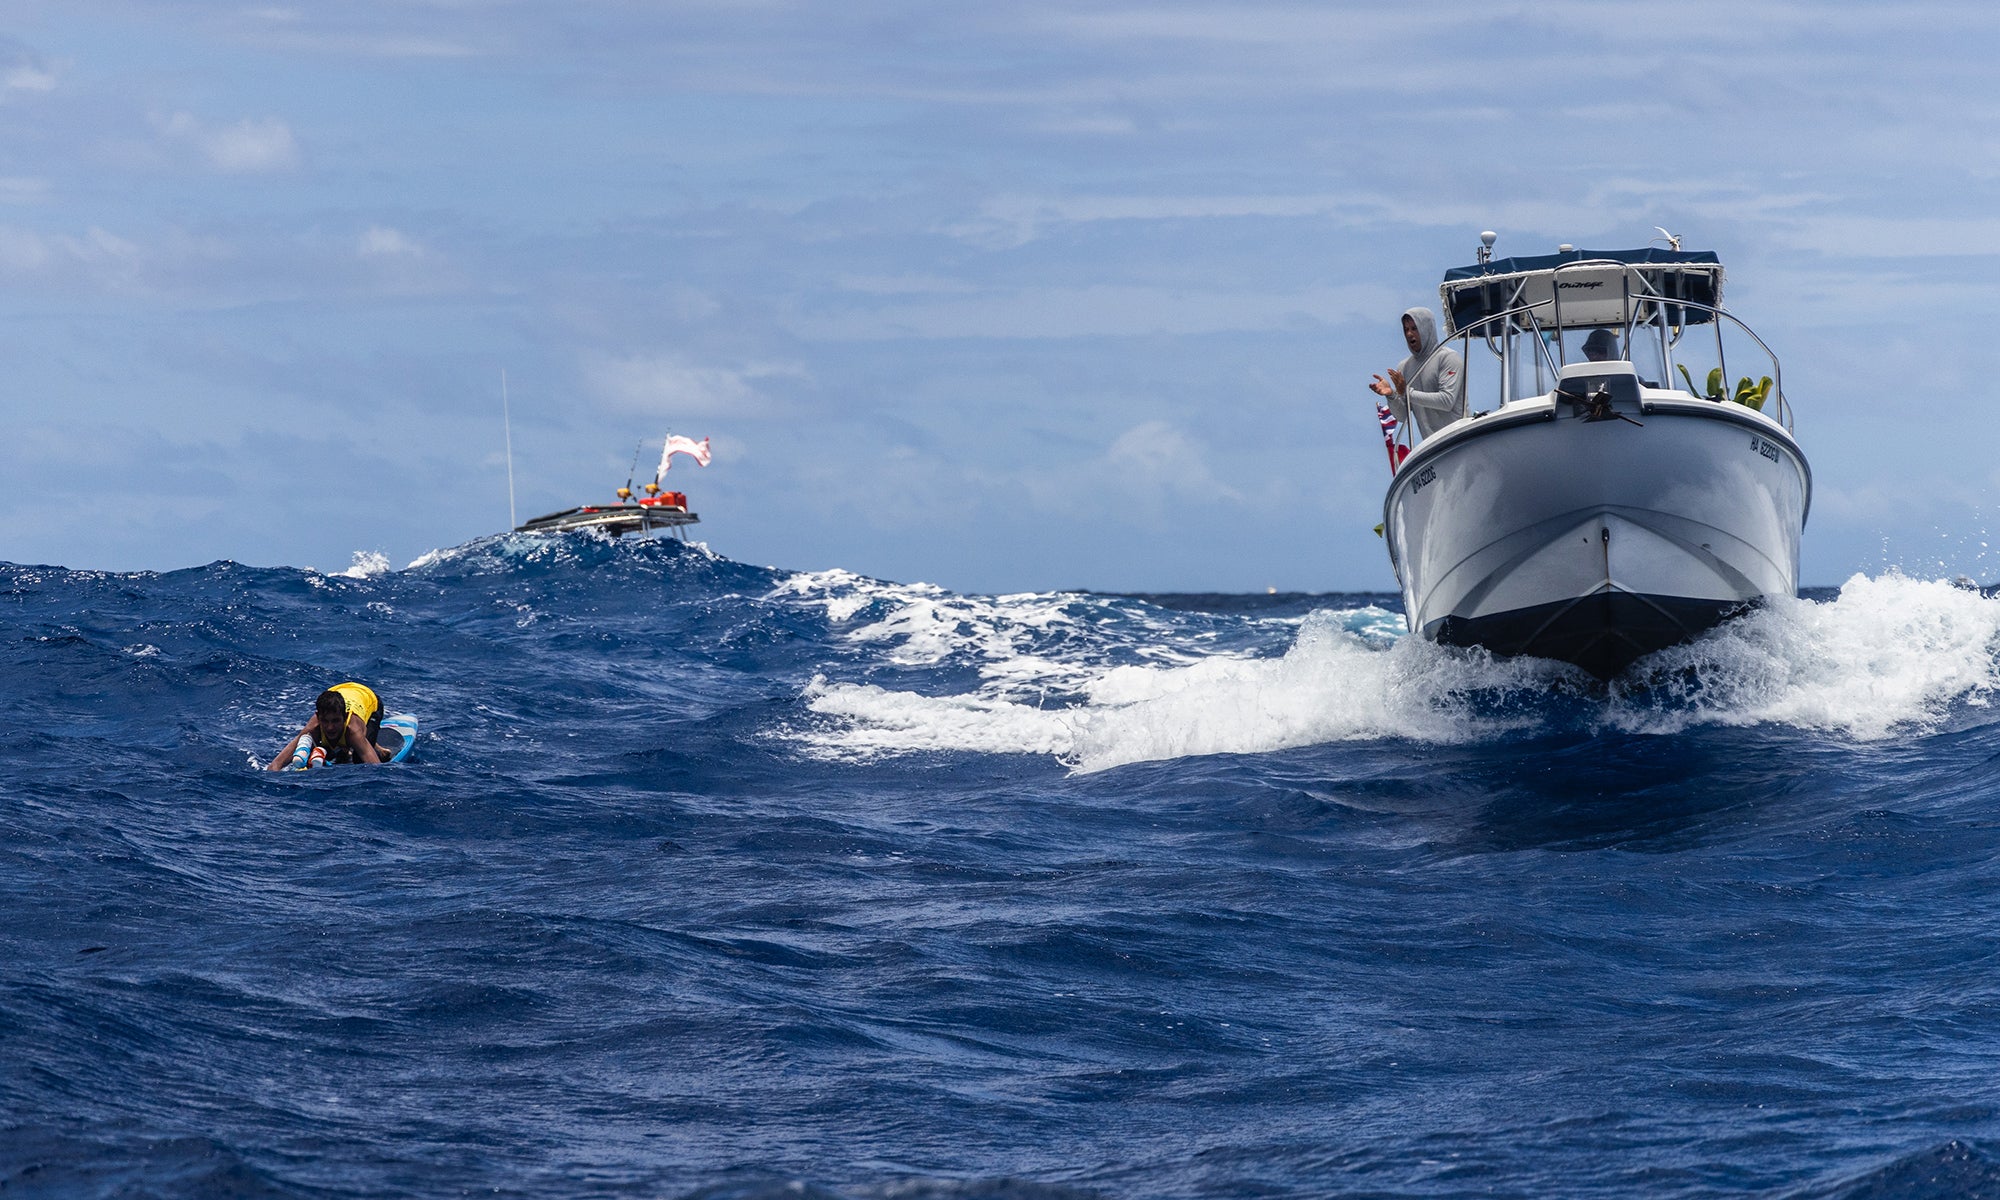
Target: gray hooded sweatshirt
1435, 395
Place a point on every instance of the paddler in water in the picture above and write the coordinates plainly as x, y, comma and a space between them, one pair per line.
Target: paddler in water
346, 719
1427, 389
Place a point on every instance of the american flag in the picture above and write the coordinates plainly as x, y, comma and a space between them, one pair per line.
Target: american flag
1389, 427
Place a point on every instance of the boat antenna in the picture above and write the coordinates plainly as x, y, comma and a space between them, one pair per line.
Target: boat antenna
507, 423
1486, 241
1672, 240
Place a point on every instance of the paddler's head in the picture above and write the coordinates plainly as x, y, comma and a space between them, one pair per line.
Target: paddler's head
331, 709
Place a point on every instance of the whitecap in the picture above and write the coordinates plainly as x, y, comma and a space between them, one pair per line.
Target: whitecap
1888, 655
366, 565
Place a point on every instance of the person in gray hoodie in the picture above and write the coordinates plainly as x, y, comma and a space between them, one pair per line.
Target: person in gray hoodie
1429, 389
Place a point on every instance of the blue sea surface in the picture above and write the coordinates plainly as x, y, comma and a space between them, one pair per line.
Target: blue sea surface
723, 881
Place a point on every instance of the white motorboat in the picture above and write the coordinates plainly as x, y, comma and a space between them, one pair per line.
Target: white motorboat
1596, 510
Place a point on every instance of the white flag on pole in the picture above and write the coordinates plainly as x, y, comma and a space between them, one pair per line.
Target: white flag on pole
683, 445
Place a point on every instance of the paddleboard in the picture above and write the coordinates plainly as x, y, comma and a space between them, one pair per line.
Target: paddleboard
398, 736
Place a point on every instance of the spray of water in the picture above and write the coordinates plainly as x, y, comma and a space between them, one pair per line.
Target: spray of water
1889, 655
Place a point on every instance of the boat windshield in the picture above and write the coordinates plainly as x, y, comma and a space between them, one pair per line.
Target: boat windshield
1693, 348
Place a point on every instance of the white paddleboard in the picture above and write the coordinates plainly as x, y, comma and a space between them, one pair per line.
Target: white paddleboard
398, 736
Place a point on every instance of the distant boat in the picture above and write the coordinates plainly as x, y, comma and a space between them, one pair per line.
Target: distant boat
656, 510
1596, 509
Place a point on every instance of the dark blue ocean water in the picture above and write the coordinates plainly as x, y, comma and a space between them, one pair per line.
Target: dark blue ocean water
712, 880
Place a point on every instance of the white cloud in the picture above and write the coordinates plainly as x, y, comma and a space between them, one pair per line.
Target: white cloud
1151, 470
1283, 26
28, 252
1016, 220
1854, 236
334, 31
21, 190
252, 146
246, 147
1103, 125
904, 285
1109, 311
22, 70
1156, 458
27, 77
672, 387
379, 241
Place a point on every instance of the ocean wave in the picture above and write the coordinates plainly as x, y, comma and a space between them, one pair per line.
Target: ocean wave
1887, 656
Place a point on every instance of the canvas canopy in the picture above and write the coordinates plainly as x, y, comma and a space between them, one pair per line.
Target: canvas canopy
1586, 288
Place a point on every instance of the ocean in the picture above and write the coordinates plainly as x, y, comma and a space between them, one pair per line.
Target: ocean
712, 880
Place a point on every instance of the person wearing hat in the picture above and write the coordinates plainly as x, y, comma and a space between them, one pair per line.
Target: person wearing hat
1600, 346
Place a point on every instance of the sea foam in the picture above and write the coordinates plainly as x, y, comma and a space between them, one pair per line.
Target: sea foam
1886, 657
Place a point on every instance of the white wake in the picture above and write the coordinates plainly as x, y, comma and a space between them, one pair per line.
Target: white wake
1890, 655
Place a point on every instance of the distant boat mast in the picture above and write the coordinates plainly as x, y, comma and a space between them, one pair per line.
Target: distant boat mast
507, 423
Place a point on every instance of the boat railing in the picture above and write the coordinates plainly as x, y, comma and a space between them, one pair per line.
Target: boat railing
1660, 324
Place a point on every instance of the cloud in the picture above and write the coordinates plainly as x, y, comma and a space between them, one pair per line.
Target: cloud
346, 30
672, 387
1008, 221
246, 147
1147, 474
29, 253
1098, 125
1158, 460
1107, 311
1854, 236
379, 241
22, 70
26, 77
152, 260
21, 190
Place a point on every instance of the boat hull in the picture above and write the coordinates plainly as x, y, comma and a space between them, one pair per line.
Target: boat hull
1531, 531
614, 519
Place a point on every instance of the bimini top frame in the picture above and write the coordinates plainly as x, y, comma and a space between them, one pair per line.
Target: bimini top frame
1584, 287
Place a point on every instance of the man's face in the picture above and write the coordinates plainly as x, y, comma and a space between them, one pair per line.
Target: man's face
332, 720
1410, 335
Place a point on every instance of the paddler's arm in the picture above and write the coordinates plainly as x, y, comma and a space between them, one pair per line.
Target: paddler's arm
285, 755
357, 737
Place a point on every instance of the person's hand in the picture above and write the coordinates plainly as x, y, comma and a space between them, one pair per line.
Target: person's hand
1396, 377
1382, 387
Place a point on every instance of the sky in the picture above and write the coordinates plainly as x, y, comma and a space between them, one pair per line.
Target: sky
1020, 296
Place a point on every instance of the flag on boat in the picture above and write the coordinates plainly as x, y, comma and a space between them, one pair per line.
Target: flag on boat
1389, 425
676, 444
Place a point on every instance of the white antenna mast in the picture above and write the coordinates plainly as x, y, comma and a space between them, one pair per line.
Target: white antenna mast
507, 423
